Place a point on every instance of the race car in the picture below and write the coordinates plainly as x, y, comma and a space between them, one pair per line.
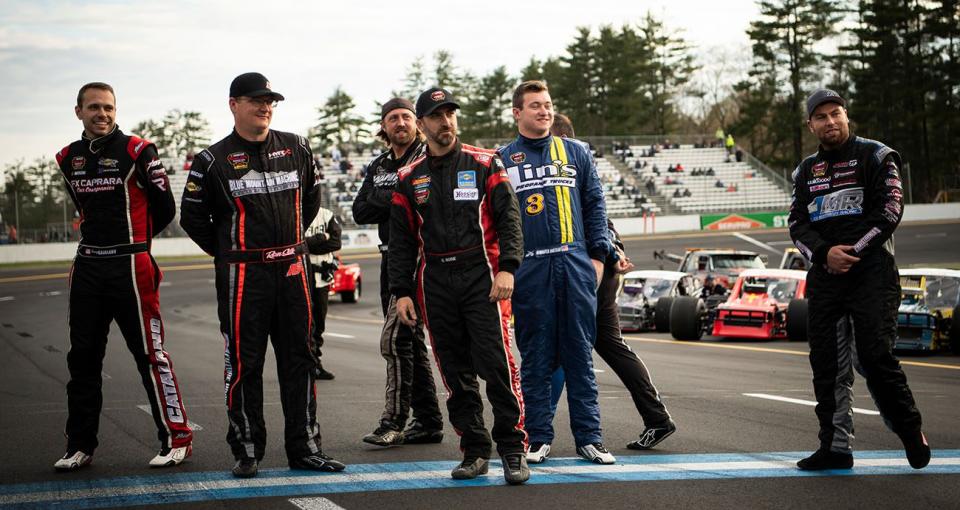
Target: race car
793, 259
646, 297
930, 303
764, 303
721, 265
347, 281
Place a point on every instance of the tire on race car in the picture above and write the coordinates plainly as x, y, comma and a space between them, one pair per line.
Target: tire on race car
797, 313
955, 330
352, 296
686, 315
661, 314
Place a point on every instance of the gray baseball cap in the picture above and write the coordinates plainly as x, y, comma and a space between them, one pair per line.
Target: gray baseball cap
821, 96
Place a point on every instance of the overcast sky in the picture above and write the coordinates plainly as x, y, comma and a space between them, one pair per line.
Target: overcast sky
183, 54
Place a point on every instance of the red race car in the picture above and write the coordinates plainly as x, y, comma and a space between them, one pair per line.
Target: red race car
347, 281
763, 303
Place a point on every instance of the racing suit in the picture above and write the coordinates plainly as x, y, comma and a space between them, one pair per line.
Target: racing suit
247, 204
323, 238
409, 376
852, 195
121, 191
458, 214
555, 300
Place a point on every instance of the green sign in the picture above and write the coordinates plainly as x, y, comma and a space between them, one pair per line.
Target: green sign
743, 221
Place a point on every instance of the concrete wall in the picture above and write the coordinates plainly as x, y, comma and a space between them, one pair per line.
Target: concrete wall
367, 239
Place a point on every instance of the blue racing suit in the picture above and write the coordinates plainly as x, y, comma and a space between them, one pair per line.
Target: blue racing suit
554, 301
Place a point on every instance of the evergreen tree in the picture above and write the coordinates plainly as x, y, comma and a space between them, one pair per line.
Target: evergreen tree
338, 124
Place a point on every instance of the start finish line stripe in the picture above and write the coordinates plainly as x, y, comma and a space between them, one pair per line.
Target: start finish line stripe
208, 486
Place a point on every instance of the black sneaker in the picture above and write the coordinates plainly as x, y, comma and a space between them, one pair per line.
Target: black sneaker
387, 434
652, 436
470, 468
322, 374
918, 451
826, 459
246, 467
515, 470
417, 433
317, 462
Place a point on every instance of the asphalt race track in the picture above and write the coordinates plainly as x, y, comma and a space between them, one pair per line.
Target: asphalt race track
743, 409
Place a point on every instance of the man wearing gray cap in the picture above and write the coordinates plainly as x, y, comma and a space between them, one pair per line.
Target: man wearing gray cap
847, 201
247, 202
409, 375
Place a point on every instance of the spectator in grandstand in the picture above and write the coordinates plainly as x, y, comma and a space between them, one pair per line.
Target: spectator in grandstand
679, 167
719, 184
566, 240
409, 377
739, 154
732, 188
188, 162
335, 154
719, 137
710, 172
686, 192
676, 193
730, 143
651, 186
671, 169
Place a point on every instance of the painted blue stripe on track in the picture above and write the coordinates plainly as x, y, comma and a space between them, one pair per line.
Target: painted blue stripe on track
153, 487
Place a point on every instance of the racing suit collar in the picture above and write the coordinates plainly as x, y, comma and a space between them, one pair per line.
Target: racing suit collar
247, 144
97, 144
839, 152
434, 160
536, 142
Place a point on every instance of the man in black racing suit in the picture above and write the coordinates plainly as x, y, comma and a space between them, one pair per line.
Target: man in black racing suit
847, 201
410, 383
247, 202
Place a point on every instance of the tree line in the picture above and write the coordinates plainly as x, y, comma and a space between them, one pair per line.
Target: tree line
896, 63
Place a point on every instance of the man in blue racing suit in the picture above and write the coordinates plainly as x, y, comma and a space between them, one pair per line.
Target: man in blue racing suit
555, 302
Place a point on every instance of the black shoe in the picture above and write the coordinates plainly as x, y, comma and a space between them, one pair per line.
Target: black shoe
417, 433
652, 436
470, 468
387, 434
515, 470
245, 467
918, 451
317, 462
826, 459
322, 374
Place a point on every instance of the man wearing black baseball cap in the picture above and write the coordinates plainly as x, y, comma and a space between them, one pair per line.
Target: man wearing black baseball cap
409, 384
847, 202
247, 202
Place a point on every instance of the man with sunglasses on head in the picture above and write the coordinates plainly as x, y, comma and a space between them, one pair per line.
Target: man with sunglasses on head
247, 202
410, 383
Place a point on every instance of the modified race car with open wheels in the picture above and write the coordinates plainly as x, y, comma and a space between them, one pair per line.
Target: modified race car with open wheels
721, 264
929, 308
764, 303
647, 295
347, 282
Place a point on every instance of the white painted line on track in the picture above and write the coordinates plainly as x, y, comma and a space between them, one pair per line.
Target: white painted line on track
811, 403
51, 293
935, 234
7, 298
146, 408
165, 284
315, 504
765, 246
338, 335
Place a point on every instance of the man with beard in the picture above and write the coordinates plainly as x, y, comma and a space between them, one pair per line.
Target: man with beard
120, 188
247, 202
847, 202
409, 376
610, 344
565, 243
454, 210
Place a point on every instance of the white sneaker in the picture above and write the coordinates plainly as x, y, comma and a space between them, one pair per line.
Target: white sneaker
73, 461
171, 456
537, 453
596, 453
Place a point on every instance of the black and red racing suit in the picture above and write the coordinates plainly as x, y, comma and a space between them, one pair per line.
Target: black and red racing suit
248, 204
852, 195
121, 191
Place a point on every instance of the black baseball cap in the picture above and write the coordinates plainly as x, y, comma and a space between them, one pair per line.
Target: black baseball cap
434, 98
252, 85
821, 96
393, 104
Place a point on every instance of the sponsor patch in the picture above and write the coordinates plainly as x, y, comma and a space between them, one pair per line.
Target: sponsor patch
78, 162
844, 202
466, 194
845, 183
895, 192
295, 269
282, 153
196, 174
466, 179
277, 254
108, 162
154, 163
421, 181
819, 187
862, 243
160, 183
421, 195
848, 173
193, 187
438, 96
254, 182
894, 182
239, 160
518, 157
818, 180
526, 177
819, 169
